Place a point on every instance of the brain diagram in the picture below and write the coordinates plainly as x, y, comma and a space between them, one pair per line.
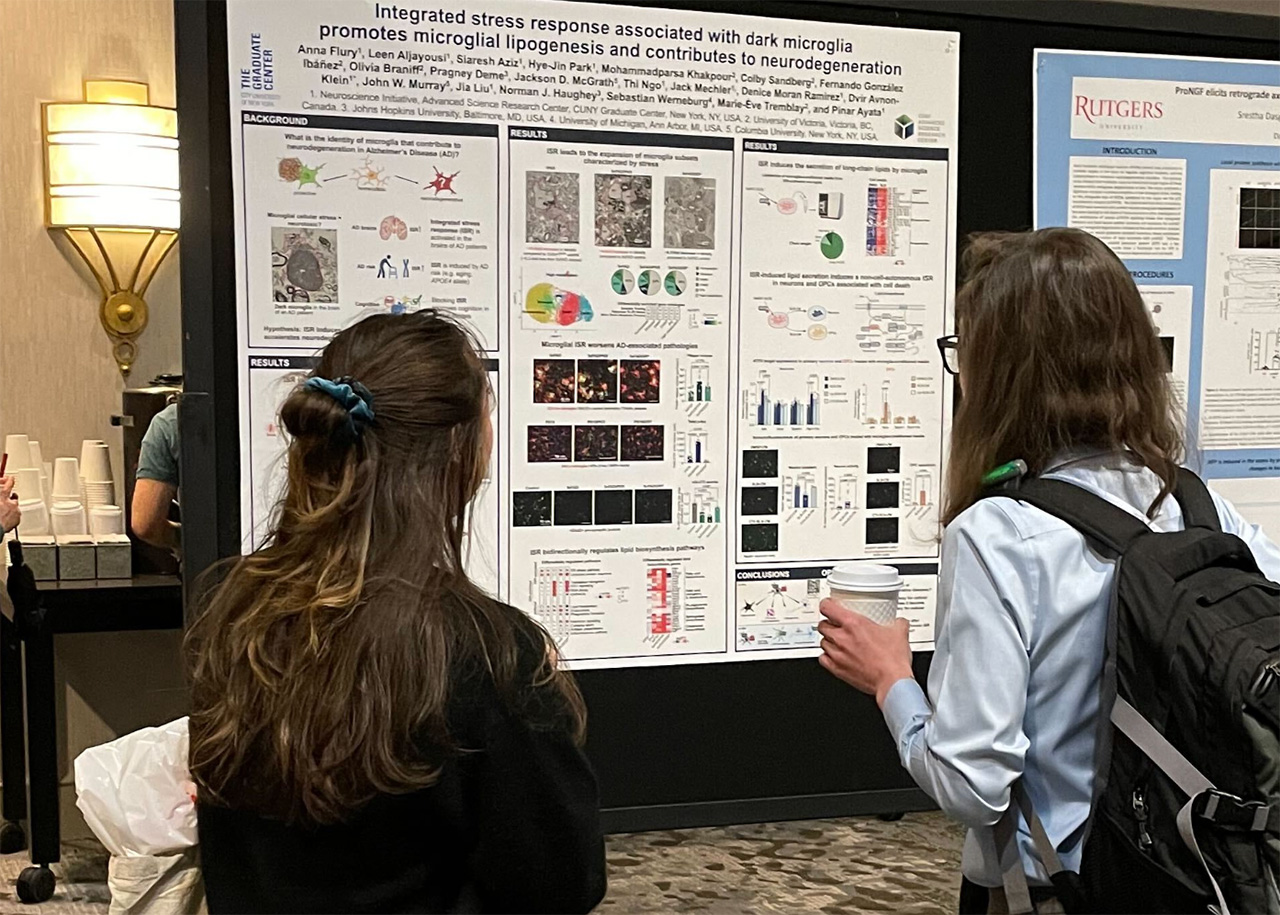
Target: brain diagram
393, 226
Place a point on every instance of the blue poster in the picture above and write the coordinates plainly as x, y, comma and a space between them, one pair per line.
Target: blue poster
1174, 162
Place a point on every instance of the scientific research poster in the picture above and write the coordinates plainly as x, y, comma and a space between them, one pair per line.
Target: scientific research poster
707, 257
1175, 163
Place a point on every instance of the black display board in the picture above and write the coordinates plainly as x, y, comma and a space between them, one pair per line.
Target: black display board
696, 744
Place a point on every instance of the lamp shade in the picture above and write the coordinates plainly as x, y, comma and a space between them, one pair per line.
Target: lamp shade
111, 190
111, 161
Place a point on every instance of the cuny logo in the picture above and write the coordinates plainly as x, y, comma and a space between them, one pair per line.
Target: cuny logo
1091, 109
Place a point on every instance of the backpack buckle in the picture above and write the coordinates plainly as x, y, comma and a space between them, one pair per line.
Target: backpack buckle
1226, 811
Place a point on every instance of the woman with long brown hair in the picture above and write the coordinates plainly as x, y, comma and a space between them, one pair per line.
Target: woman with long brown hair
371, 732
1060, 368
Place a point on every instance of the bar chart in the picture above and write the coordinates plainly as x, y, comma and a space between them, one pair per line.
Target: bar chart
699, 506
695, 382
692, 448
762, 407
801, 491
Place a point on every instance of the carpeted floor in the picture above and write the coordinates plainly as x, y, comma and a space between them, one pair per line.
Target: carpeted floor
839, 867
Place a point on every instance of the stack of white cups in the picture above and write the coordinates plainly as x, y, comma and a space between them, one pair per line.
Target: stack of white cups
95, 474
18, 447
66, 480
67, 519
35, 517
27, 485
106, 519
37, 462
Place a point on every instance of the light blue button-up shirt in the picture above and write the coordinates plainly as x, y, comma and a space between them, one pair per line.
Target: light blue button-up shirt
1013, 688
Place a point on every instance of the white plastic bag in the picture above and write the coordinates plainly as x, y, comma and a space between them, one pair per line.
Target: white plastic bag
156, 884
136, 792
137, 797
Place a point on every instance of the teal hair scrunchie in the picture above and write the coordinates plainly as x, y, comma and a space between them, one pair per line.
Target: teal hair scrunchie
351, 395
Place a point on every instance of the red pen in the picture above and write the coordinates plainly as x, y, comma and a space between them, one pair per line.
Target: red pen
4, 462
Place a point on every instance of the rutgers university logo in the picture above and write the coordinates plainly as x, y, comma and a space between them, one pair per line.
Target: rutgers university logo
1093, 109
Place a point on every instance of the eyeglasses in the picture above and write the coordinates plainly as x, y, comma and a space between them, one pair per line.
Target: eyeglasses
948, 347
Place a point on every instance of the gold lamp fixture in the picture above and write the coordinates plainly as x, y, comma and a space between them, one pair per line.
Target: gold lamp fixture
111, 189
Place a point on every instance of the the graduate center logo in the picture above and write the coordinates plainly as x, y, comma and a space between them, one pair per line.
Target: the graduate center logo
260, 75
904, 127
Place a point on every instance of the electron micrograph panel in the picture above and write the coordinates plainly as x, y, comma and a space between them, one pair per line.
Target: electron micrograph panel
552, 214
624, 211
689, 213
304, 265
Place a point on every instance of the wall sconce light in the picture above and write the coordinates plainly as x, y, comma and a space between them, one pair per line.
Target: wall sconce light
111, 189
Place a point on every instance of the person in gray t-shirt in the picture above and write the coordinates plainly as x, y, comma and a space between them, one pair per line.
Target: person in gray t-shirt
157, 483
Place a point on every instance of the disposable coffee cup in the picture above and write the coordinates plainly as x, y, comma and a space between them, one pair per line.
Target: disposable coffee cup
867, 589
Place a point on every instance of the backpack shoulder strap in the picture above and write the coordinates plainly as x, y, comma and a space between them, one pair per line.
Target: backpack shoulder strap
1198, 508
1110, 528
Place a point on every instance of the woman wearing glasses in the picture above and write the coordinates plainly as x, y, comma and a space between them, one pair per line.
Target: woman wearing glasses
1060, 369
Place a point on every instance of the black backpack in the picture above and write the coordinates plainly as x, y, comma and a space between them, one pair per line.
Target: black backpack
1186, 805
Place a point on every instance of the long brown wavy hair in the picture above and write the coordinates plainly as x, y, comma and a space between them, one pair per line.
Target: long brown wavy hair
1057, 352
323, 664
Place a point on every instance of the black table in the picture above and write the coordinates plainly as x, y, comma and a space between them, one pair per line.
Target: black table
28, 695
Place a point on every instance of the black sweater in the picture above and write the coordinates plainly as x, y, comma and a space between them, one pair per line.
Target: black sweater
512, 827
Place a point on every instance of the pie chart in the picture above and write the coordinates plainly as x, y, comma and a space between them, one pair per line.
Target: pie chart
650, 282
675, 282
832, 246
623, 281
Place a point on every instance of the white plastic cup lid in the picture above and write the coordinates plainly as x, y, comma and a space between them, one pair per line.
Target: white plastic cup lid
865, 576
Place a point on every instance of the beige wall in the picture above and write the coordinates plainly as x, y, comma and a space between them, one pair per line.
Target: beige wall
58, 382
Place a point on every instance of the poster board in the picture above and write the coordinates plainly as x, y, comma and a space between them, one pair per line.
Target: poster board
685, 744
707, 256
1175, 163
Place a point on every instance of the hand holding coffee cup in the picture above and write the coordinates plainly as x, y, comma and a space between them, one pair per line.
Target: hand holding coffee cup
867, 589
864, 641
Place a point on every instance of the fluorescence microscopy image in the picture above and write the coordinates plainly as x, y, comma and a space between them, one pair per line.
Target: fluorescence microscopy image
595, 443
573, 507
760, 464
613, 506
653, 506
550, 444
760, 538
530, 509
553, 381
624, 211
597, 381
551, 212
643, 443
640, 381
689, 213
